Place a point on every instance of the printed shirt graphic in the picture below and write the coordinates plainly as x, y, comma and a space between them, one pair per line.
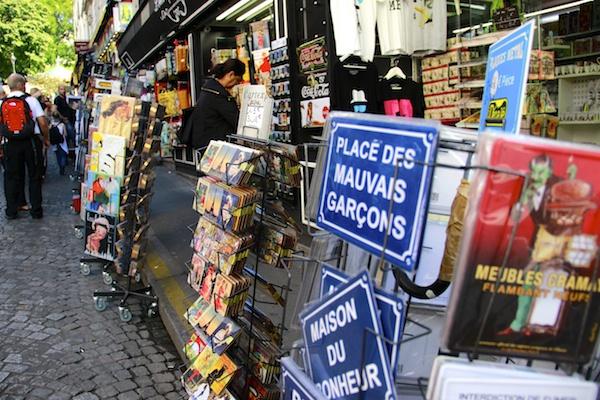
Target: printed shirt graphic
428, 21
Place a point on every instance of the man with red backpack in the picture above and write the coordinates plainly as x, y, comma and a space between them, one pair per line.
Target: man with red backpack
25, 131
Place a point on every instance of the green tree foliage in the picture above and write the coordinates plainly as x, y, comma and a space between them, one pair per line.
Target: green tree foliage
37, 32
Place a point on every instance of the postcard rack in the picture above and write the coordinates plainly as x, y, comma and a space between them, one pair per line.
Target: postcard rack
273, 295
134, 213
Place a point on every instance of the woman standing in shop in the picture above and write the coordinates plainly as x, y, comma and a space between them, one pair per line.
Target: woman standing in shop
216, 114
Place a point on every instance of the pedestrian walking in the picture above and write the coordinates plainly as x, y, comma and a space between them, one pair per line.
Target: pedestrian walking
58, 139
25, 129
67, 113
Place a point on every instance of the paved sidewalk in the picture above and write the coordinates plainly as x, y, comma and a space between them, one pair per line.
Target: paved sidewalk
53, 343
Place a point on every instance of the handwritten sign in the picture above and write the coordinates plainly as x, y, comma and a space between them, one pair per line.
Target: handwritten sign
376, 183
345, 351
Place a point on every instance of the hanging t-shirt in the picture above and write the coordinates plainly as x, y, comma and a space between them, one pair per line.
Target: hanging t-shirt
355, 89
427, 24
345, 27
392, 21
367, 18
402, 97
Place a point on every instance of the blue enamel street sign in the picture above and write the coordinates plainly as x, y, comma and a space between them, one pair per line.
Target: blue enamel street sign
345, 352
376, 183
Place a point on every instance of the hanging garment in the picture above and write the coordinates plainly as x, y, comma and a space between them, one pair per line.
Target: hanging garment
367, 17
427, 24
402, 97
355, 89
345, 27
392, 21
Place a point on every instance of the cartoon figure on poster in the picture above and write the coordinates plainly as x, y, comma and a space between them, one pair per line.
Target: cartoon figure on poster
116, 115
99, 236
103, 194
557, 206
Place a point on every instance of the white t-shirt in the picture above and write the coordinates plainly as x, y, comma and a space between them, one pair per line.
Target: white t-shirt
392, 22
367, 18
427, 25
345, 27
34, 105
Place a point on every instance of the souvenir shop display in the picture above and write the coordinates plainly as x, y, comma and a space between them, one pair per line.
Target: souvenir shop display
255, 119
280, 76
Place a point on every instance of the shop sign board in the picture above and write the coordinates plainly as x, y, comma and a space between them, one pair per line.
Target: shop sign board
344, 346
296, 385
506, 77
391, 309
376, 184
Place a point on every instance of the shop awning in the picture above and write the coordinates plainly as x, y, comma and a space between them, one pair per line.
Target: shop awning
154, 24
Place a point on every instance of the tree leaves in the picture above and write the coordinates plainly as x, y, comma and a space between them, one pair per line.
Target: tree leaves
37, 32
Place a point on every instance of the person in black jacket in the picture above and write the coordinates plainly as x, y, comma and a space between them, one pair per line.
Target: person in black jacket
216, 113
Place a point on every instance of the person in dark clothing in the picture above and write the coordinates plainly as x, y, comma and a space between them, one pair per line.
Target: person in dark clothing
215, 115
68, 115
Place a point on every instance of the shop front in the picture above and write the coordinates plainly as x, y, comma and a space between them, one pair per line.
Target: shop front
382, 219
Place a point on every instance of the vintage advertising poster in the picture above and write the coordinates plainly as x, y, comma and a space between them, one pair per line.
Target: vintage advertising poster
116, 115
100, 235
262, 67
314, 112
104, 193
312, 56
546, 297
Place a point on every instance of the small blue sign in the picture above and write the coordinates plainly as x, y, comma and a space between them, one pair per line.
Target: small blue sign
376, 183
345, 352
391, 308
505, 81
295, 384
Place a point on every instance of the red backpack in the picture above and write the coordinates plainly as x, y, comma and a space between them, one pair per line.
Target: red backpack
16, 119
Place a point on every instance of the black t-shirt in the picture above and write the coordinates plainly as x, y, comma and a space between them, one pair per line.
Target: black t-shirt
355, 89
403, 89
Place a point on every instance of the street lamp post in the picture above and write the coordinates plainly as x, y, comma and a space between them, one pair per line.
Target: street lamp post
13, 60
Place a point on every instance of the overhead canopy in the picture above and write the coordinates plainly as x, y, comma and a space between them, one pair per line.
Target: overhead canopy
153, 25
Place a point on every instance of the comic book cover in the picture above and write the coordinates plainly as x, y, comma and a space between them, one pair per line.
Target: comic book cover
100, 235
217, 370
116, 115
104, 193
544, 303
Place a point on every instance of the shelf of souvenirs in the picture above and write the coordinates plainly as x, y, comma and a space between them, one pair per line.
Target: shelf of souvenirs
472, 84
474, 63
578, 35
579, 75
481, 40
564, 122
578, 57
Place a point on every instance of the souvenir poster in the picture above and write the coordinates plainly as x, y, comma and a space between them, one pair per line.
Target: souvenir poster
549, 282
194, 347
314, 112
262, 67
100, 235
312, 56
260, 34
111, 157
228, 162
217, 370
96, 147
241, 49
116, 115
104, 193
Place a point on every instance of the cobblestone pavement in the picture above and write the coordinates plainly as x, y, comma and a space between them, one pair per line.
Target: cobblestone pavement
53, 344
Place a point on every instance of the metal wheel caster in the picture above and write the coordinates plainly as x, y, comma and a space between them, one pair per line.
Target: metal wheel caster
152, 310
78, 233
100, 303
137, 277
106, 278
84, 269
125, 314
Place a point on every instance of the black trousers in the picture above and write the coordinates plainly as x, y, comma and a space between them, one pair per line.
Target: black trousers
21, 156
